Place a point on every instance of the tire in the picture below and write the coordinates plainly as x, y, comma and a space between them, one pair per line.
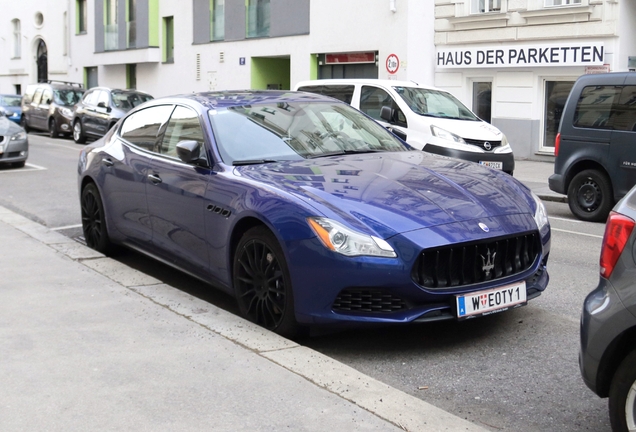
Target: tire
262, 284
18, 164
24, 125
622, 396
590, 196
93, 220
78, 132
53, 131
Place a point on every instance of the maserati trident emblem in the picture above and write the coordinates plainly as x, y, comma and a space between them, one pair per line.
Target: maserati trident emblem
484, 227
487, 146
489, 262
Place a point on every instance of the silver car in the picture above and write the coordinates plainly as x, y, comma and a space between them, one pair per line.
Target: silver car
608, 323
14, 144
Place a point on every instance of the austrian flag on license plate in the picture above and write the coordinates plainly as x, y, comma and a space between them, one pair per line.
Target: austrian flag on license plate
491, 301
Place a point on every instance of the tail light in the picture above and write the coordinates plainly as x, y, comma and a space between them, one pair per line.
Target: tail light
557, 143
617, 232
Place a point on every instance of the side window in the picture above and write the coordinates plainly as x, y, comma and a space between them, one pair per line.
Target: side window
37, 97
47, 97
623, 115
595, 105
343, 93
102, 98
141, 128
183, 126
372, 99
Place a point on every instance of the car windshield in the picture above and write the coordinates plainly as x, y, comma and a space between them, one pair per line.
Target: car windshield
293, 131
67, 97
435, 103
10, 101
125, 100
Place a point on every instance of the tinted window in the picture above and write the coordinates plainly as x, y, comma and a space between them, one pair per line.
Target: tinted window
141, 128
623, 116
372, 99
595, 105
183, 126
341, 92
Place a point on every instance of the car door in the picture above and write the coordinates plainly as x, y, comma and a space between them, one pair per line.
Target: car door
126, 171
86, 111
102, 112
372, 99
176, 196
622, 149
42, 111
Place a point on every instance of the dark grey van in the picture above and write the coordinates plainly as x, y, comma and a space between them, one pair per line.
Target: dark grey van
596, 145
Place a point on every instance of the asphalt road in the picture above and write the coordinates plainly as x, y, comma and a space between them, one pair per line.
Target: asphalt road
516, 371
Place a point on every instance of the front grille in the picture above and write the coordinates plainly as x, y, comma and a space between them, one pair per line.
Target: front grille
13, 154
482, 144
469, 263
367, 300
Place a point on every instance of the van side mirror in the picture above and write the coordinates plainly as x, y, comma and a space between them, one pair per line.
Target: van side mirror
387, 114
48, 102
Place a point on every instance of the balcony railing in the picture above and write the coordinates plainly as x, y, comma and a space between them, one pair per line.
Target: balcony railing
111, 35
131, 32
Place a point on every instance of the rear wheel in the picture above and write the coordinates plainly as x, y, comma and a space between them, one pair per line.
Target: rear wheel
53, 131
93, 220
262, 283
590, 195
78, 132
24, 125
622, 396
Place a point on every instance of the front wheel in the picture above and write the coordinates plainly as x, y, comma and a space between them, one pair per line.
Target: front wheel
78, 132
24, 125
590, 195
262, 283
94, 220
53, 131
622, 396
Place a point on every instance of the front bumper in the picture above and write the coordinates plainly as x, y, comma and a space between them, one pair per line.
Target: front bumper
556, 183
507, 159
14, 151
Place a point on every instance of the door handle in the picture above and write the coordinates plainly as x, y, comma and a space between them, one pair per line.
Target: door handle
108, 162
154, 178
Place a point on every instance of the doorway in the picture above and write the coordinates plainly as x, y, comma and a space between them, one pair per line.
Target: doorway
555, 95
270, 73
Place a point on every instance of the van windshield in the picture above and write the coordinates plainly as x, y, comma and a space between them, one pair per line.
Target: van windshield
435, 103
67, 97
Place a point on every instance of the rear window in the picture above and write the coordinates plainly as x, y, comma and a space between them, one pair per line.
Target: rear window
606, 107
343, 93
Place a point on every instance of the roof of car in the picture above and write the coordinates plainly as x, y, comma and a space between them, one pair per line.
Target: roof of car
383, 82
232, 98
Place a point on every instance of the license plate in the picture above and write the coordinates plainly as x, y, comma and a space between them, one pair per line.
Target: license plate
491, 301
492, 164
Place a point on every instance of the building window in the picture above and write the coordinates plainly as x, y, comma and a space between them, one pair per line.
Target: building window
17, 39
549, 3
131, 23
80, 18
486, 6
168, 40
217, 20
257, 18
556, 93
65, 25
111, 29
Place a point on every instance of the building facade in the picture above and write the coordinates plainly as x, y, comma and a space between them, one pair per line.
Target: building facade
514, 61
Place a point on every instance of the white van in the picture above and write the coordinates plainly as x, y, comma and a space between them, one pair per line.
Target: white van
427, 118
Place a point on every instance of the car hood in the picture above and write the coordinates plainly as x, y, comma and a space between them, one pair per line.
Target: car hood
392, 193
477, 130
8, 127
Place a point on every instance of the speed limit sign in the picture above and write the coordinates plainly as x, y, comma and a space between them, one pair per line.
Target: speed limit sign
392, 64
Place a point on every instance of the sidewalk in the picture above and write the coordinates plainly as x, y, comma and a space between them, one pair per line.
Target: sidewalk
90, 344
535, 175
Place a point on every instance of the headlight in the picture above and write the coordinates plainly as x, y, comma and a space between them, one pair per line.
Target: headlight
540, 214
19, 136
338, 238
444, 134
67, 112
504, 140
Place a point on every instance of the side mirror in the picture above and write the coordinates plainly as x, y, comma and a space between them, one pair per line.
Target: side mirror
387, 114
190, 152
48, 102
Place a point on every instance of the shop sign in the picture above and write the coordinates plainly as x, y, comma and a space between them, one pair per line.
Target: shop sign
523, 55
358, 57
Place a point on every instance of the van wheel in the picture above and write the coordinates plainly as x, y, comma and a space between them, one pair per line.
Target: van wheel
24, 125
53, 132
622, 396
590, 196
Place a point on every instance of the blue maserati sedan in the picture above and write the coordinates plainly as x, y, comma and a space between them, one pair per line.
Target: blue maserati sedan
311, 213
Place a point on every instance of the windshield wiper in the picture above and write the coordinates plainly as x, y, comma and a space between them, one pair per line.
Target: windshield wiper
343, 152
252, 162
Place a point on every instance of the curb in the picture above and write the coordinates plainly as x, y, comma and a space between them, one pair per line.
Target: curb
553, 198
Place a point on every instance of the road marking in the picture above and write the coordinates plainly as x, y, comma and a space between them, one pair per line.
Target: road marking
565, 219
65, 227
579, 233
31, 167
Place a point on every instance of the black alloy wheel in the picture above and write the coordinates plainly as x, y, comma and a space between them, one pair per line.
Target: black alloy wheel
78, 132
590, 195
262, 284
93, 220
53, 132
622, 396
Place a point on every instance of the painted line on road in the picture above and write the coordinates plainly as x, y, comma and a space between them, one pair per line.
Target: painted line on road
66, 227
28, 167
565, 219
579, 233
65, 146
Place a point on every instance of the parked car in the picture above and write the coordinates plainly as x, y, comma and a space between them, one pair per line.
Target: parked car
10, 107
595, 160
48, 106
14, 144
311, 213
608, 322
427, 118
100, 108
